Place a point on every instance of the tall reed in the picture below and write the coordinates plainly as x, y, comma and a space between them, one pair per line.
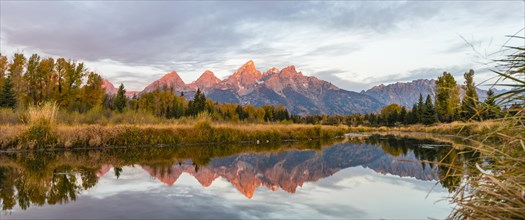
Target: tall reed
41, 120
494, 187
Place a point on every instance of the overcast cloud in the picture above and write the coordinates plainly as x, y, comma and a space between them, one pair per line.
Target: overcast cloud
355, 45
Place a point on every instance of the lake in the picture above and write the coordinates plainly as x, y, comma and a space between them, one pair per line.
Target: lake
363, 177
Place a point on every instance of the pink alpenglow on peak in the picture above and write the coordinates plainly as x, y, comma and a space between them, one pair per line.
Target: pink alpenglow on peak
206, 80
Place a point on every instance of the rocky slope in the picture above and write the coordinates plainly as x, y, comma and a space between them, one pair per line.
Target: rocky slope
405, 94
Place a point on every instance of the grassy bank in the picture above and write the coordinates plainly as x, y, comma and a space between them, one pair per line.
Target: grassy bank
202, 132
43, 127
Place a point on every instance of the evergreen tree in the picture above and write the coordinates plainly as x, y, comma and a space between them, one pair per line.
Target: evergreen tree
447, 97
403, 115
242, 114
491, 108
420, 109
429, 113
200, 101
7, 95
469, 106
197, 105
120, 100
412, 115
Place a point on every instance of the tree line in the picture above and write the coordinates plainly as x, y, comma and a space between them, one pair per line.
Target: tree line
446, 106
30, 81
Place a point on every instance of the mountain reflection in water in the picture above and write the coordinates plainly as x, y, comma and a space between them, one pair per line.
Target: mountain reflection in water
40, 178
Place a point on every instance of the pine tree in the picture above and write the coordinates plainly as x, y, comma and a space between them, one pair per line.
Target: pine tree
240, 111
420, 109
469, 106
413, 115
429, 113
7, 95
491, 108
120, 100
403, 115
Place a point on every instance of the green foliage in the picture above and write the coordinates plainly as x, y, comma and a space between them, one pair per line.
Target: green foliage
390, 114
429, 113
120, 99
420, 108
197, 105
490, 110
469, 105
7, 95
447, 98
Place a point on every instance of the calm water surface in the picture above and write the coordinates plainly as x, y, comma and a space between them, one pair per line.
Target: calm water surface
377, 177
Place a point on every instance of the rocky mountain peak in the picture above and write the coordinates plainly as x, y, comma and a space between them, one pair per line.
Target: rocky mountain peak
290, 72
300, 94
247, 72
109, 87
244, 79
170, 80
206, 80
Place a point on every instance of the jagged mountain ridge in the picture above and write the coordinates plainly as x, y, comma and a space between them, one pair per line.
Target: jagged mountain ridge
407, 93
300, 94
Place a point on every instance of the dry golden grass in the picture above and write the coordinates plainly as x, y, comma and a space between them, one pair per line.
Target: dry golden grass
494, 188
463, 129
45, 113
199, 132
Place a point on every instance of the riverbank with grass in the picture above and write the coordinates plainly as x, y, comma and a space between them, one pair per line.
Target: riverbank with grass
42, 131
44, 128
202, 132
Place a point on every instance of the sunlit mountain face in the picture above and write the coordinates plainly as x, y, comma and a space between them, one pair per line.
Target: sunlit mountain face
62, 177
301, 94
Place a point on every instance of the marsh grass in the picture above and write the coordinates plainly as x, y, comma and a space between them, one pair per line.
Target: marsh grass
41, 131
202, 131
494, 188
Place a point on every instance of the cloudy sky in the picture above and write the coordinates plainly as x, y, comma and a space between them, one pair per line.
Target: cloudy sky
353, 44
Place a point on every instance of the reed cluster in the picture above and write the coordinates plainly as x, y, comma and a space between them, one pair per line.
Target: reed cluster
41, 121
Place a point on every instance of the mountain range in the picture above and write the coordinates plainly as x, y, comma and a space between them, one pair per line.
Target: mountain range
300, 94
